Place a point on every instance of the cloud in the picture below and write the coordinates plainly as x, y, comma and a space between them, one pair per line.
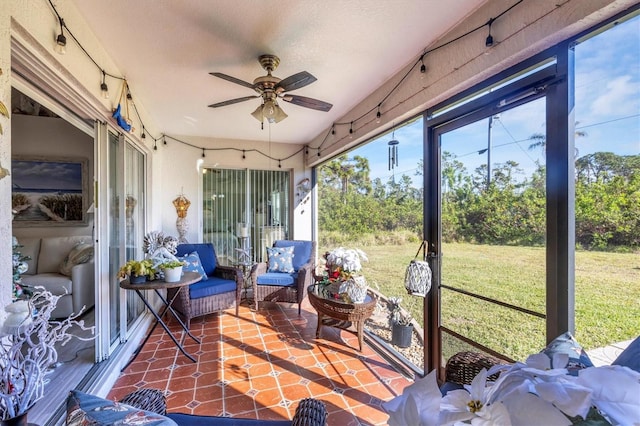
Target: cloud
618, 98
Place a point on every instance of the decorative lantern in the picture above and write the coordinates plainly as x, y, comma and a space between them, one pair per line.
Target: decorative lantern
417, 278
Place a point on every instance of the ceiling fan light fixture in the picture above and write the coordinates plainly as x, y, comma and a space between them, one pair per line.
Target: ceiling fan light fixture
257, 114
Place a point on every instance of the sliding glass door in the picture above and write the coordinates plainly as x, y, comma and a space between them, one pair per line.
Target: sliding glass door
126, 182
245, 210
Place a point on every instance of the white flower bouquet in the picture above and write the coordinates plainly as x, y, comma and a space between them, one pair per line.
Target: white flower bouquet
525, 394
346, 262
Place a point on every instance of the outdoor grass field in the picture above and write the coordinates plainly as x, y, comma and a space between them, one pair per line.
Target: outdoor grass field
607, 301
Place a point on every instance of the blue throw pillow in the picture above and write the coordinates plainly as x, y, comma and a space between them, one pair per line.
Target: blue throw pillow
193, 264
280, 259
630, 357
567, 344
85, 409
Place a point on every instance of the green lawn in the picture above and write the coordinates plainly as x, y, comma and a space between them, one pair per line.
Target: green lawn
607, 293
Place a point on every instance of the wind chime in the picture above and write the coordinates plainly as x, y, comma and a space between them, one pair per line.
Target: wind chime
393, 153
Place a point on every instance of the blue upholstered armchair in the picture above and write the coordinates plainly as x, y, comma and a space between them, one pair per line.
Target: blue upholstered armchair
271, 284
219, 291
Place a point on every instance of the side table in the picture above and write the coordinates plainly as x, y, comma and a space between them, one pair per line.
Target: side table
337, 309
157, 285
245, 267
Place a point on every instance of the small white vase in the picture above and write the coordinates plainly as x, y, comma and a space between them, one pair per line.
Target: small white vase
356, 288
172, 275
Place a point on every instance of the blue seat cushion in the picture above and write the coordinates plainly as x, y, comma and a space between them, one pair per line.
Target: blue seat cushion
630, 357
206, 252
210, 287
301, 251
194, 420
277, 278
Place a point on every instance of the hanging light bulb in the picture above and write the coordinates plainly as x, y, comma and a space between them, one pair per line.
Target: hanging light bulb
378, 115
333, 132
489, 41
423, 67
61, 40
103, 86
203, 153
351, 130
144, 136
155, 146
243, 155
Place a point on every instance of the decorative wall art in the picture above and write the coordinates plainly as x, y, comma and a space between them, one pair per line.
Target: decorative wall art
49, 191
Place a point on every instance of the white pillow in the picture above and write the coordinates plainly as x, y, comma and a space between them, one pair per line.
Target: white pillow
81, 253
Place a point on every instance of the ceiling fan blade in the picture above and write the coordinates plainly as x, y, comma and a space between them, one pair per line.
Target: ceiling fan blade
232, 79
294, 82
233, 101
303, 101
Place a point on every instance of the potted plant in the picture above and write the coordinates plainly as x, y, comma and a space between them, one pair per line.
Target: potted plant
400, 321
172, 270
29, 352
138, 271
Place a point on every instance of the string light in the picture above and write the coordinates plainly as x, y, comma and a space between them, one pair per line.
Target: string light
155, 146
306, 149
60, 47
103, 86
279, 164
61, 40
243, 155
164, 139
144, 136
489, 41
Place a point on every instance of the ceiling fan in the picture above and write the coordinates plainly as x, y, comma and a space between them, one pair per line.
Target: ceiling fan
271, 88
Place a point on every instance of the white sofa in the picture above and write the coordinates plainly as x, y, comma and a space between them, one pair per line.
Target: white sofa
47, 254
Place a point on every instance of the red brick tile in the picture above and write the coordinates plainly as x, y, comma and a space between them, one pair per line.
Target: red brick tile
239, 404
273, 413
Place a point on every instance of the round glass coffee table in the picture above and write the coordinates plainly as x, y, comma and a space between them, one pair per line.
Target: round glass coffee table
346, 314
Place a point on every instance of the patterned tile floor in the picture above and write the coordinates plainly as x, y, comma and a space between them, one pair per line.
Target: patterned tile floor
259, 364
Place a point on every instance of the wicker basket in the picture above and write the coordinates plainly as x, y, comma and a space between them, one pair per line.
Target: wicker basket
463, 367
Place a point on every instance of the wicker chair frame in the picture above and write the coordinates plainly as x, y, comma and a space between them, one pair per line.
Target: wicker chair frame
291, 294
189, 308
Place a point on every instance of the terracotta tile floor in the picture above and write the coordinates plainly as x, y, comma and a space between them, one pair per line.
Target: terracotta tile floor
259, 364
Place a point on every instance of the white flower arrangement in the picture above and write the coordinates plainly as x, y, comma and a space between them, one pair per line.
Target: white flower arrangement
525, 394
347, 261
27, 350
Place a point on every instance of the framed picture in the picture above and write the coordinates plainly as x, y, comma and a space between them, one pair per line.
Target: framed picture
49, 191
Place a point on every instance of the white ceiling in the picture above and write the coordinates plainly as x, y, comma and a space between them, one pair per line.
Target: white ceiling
167, 48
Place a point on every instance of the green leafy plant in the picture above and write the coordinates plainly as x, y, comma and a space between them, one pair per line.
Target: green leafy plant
138, 267
171, 264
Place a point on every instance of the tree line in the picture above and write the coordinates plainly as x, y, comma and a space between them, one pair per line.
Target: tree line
502, 208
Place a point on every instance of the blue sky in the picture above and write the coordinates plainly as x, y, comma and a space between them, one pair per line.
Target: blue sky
607, 109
